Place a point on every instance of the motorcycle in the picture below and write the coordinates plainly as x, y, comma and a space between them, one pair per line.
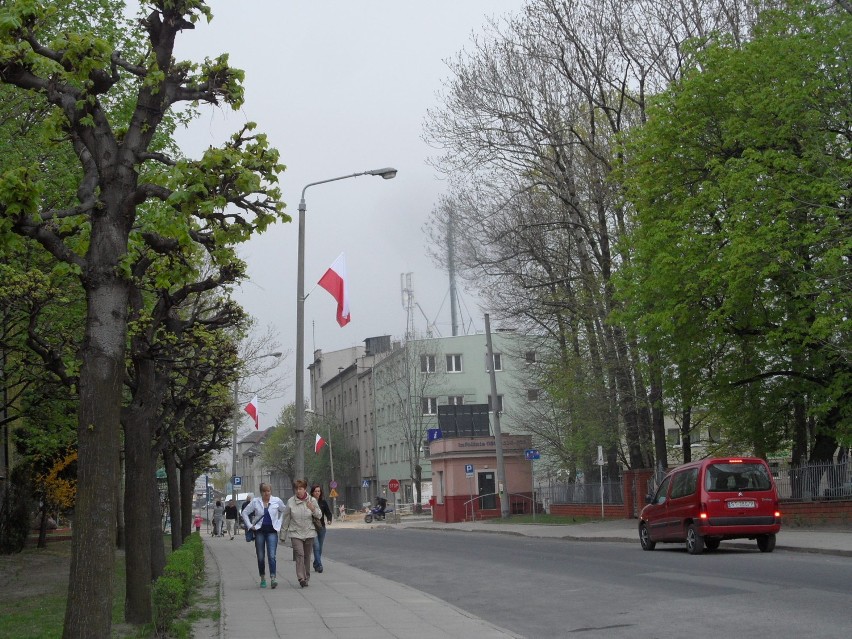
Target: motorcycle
376, 513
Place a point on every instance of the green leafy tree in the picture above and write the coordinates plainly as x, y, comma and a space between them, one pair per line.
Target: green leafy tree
741, 184
109, 108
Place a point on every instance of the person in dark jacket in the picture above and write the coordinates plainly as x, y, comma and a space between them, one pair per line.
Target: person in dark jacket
316, 493
231, 515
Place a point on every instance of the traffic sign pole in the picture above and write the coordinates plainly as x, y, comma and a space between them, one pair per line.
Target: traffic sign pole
393, 486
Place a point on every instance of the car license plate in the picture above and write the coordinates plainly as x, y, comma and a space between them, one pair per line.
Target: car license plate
742, 504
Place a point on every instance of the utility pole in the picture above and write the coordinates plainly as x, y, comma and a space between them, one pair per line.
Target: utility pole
502, 488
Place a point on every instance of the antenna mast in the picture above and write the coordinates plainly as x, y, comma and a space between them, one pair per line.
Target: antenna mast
407, 293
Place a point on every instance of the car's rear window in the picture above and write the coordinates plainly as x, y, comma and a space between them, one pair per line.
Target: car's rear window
725, 477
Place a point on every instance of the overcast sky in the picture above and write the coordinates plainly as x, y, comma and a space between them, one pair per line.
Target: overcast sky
341, 86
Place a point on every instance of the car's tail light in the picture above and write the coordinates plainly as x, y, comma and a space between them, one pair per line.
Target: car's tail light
703, 513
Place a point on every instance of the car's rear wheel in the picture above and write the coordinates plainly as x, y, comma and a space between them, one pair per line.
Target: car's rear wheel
712, 544
645, 537
694, 541
766, 543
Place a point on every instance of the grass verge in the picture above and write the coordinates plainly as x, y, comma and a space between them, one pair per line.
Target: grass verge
35, 591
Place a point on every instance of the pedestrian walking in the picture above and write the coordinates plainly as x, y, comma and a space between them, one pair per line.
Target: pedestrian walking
231, 515
264, 515
218, 516
325, 520
302, 511
198, 521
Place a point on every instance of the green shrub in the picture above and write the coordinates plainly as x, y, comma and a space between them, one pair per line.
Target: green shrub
171, 592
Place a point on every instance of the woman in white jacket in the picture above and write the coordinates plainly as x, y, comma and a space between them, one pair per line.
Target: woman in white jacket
302, 512
264, 515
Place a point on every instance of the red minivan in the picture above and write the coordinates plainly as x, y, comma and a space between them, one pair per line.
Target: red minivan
704, 502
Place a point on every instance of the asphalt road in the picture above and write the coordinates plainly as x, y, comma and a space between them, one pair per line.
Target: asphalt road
559, 588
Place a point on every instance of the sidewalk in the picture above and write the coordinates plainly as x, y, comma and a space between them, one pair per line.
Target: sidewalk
369, 606
365, 606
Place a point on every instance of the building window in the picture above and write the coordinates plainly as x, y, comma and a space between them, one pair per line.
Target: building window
430, 405
427, 363
498, 362
499, 404
455, 400
454, 363
673, 436
532, 394
530, 357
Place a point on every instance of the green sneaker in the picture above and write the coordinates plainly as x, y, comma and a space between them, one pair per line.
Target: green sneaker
263, 583
274, 582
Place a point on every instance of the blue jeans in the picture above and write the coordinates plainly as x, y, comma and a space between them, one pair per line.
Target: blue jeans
266, 545
318, 547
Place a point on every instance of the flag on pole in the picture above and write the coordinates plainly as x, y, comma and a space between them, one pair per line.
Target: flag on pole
334, 281
252, 409
319, 443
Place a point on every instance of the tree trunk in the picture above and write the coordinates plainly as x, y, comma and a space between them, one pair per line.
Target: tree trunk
158, 551
658, 424
178, 528
88, 612
187, 488
141, 473
685, 437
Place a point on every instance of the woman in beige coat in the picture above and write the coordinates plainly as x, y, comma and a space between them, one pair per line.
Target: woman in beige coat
302, 511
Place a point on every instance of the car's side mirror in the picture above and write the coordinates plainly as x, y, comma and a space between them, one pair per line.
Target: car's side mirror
649, 499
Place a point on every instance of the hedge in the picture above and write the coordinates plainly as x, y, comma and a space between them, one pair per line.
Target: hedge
182, 574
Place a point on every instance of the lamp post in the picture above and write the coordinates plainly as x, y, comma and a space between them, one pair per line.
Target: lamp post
386, 173
237, 427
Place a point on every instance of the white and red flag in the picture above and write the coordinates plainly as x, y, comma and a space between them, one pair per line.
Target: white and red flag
334, 281
252, 408
319, 443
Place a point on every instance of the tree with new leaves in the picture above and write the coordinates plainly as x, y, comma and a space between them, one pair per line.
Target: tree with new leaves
741, 186
217, 200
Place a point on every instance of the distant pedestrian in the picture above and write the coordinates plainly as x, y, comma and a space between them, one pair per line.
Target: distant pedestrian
302, 510
264, 515
198, 521
231, 515
325, 519
218, 516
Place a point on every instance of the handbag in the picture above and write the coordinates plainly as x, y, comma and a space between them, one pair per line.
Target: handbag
317, 524
250, 530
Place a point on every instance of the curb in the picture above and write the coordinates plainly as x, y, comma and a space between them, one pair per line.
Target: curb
630, 540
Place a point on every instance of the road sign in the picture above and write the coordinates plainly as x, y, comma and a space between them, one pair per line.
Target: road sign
531, 453
393, 485
238, 481
468, 470
333, 484
333, 494
365, 483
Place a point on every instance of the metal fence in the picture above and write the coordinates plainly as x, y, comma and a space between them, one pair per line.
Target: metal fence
810, 481
813, 480
581, 493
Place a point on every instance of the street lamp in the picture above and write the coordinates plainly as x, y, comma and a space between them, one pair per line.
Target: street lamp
237, 426
386, 173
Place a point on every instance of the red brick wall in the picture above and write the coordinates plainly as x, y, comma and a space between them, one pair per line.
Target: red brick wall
833, 512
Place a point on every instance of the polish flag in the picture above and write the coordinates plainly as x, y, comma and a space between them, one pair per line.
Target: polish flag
334, 281
252, 409
319, 443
